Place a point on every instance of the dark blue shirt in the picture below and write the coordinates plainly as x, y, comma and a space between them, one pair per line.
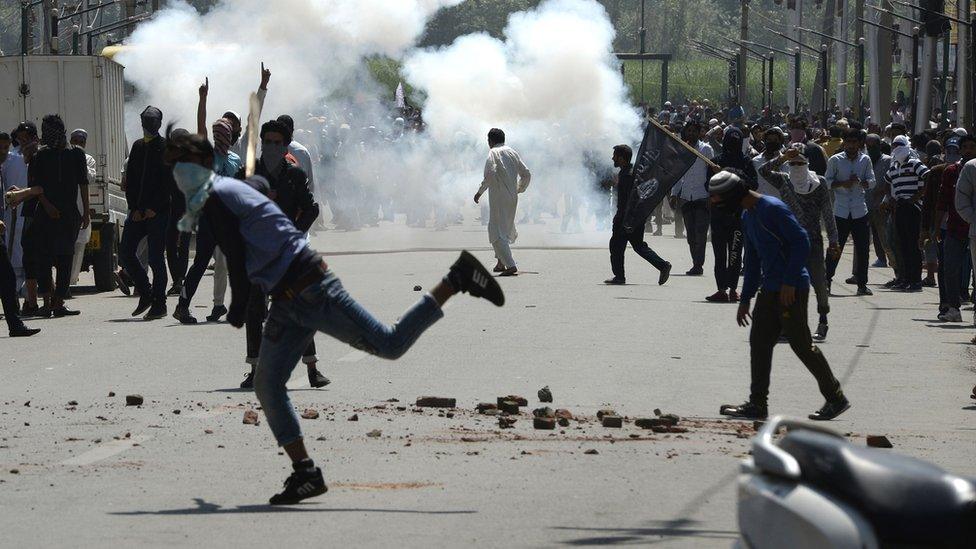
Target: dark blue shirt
777, 248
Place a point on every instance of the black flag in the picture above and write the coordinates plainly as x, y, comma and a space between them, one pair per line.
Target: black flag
662, 161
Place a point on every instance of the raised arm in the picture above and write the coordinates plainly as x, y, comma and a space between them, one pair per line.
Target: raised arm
202, 109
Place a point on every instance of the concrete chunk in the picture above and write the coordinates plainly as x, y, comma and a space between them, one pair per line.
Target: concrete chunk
436, 402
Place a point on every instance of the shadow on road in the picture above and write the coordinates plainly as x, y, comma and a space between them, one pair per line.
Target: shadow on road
663, 530
205, 508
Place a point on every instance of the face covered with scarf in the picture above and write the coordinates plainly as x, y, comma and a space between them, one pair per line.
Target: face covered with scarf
804, 181
53, 134
223, 134
192, 159
152, 120
901, 150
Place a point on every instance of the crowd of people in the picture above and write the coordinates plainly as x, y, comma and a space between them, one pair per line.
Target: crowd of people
777, 196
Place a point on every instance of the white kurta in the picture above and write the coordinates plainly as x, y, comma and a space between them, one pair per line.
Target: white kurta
505, 177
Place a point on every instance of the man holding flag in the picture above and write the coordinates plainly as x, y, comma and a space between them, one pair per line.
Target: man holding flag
661, 161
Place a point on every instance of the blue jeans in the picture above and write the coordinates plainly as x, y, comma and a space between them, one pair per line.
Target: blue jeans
154, 231
325, 307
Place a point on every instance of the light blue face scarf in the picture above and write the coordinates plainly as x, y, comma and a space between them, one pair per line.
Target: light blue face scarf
196, 183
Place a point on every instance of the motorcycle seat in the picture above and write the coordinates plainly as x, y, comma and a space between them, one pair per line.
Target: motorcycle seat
906, 500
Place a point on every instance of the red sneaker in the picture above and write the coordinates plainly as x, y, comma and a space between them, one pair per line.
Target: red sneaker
733, 296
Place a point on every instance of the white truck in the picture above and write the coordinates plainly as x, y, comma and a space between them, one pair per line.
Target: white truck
88, 92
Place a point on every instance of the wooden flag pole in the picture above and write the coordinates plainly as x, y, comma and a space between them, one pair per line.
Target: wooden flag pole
677, 138
253, 131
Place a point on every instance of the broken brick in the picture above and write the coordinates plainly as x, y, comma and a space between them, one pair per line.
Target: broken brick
375, 433
591, 452
562, 413
518, 400
310, 413
482, 407
605, 412
544, 412
545, 395
544, 423
251, 417
509, 406
613, 421
506, 422
133, 400
354, 417
563, 422
879, 441
436, 402
651, 422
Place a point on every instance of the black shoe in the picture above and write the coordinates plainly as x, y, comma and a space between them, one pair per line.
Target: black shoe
62, 311
121, 284
28, 311
145, 302
821, 333
665, 275
914, 288
175, 289
852, 280
831, 409
615, 281
746, 410
301, 485
157, 311
24, 331
469, 276
901, 286
316, 379
695, 271
248, 382
864, 290
182, 314
42, 312
930, 282
892, 283
217, 312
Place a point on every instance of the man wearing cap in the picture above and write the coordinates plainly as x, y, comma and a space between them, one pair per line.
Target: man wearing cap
776, 252
148, 191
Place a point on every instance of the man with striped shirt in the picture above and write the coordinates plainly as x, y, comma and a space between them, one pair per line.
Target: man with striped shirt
905, 179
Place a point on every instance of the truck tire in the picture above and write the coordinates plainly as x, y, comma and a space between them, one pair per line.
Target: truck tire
105, 260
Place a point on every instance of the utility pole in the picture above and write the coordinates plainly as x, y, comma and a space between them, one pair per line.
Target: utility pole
821, 86
841, 55
964, 111
796, 20
643, 36
741, 65
859, 39
46, 7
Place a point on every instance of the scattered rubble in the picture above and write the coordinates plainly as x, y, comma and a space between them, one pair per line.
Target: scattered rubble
563, 422
544, 412
612, 421
354, 417
506, 422
72, 403
879, 441
605, 412
436, 402
508, 406
518, 400
251, 417
548, 423
483, 407
310, 413
417, 288
133, 400
545, 395
591, 452
375, 433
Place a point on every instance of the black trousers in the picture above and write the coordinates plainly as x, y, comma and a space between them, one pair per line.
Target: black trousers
8, 291
618, 245
257, 312
177, 249
205, 251
62, 265
860, 230
908, 220
769, 320
154, 230
696, 216
727, 247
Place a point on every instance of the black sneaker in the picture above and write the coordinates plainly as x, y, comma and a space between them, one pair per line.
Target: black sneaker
301, 485
746, 410
316, 379
248, 382
157, 311
821, 333
182, 314
469, 276
917, 287
901, 286
852, 280
615, 281
864, 290
217, 312
831, 409
24, 331
695, 271
62, 311
175, 290
145, 302
665, 275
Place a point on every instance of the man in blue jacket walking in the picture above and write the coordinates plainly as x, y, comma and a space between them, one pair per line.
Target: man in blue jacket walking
776, 251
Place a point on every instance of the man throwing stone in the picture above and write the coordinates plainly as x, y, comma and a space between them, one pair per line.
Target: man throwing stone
505, 178
776, 252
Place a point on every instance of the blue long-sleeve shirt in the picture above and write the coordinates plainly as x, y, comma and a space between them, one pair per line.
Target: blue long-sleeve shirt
776, 250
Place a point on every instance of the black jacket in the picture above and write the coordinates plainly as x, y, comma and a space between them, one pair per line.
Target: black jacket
149, 181
625, 187
291, 192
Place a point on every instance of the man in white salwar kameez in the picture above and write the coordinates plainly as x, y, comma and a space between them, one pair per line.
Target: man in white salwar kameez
505, 178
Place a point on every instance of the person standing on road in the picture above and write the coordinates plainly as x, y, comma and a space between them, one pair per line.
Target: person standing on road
776, 251
850, 173
8, 279
955, 236
149, 188
78, 140
808, 198
882, 244
905, 179
506, 177
265, 249
622, 156
692, 192
965, 200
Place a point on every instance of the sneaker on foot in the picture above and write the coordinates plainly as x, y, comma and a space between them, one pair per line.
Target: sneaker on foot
821, 333
175, 289
695, 271
145, 302
831, 409
511, 271
930, 282
157, 311
951, 315
615, 281
864, 290
718, 297
469, 276
248, 382
914, 288
217, 312
182, 314
62, 311
879, 263
665, 275
121, 285
747, 410
301, 485
316, 379
24, 331
852, 280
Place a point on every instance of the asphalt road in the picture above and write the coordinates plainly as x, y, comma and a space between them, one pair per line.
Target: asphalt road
98, 473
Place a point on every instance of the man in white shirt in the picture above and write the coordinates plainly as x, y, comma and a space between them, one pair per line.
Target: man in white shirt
691, 192
79, 139
505, 178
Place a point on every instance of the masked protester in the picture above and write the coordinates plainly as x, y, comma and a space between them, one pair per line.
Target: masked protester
773, 140
777, 250
8, 279
264, 248
905, 179
289, 189
850, 174
149, 190
726, 224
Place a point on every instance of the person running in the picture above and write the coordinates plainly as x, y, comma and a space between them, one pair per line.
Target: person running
622, 156
776, 250
850, 173
265, 249
506, 177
